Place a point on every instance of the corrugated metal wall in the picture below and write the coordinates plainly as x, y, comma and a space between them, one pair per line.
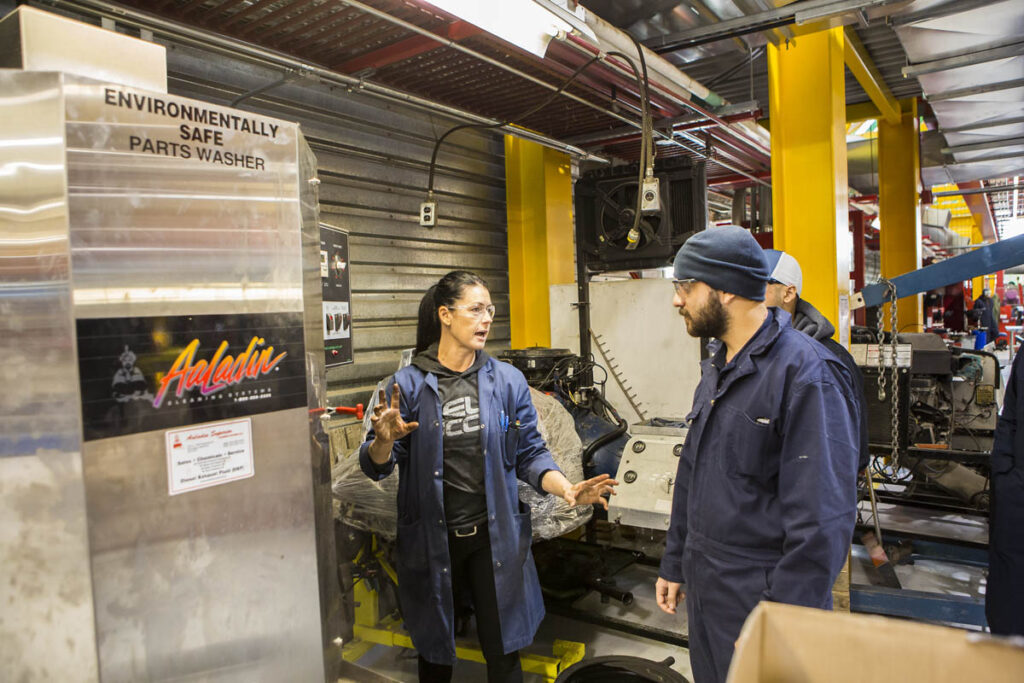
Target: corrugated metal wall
373, 157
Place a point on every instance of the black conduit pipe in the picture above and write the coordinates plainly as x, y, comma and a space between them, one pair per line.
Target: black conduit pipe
588, 452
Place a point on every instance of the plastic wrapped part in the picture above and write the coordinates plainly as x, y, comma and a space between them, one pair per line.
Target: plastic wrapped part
552, 516
371, 506
362, 503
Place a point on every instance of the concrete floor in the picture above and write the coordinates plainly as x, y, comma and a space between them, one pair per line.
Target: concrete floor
399, 664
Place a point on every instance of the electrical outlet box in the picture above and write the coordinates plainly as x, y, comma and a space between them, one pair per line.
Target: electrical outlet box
428, 214
650, 199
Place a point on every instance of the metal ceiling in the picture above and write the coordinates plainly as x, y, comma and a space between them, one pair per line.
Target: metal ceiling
1007, 204
737, 68
412, 47
963, 56
969, 59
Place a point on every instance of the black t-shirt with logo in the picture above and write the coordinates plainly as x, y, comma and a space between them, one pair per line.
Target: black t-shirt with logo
465, 501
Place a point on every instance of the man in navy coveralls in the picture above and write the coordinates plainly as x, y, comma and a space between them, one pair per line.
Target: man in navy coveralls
766, 488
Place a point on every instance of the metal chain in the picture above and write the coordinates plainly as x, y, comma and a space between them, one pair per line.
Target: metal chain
893, 377
879, 332
894, 348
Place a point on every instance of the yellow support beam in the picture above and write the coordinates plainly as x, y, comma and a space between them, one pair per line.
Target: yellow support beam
864, 70
883, 104
899, 192
855, 113
807, 101
538, 184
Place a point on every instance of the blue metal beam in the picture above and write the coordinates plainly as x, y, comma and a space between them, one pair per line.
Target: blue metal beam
976, 556
951, 609
982, 261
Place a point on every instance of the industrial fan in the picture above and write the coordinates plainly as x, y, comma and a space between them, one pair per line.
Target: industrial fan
618, 214
606, 205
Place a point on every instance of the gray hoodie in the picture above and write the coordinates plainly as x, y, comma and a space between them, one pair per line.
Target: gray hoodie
810, 321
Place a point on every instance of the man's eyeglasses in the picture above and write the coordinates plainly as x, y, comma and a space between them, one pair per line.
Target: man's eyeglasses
475, 310
684, 286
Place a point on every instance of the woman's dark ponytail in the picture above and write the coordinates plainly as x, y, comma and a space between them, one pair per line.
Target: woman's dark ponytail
446, 292
428, 325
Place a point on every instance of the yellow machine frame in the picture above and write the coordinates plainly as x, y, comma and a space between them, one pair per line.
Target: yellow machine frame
371, 629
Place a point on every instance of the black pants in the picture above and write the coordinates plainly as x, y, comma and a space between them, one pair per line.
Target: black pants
1004, 596
472, 574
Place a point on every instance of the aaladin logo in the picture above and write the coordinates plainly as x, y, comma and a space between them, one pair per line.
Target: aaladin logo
219, 372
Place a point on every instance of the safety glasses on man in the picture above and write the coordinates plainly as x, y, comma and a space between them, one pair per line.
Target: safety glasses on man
684, 286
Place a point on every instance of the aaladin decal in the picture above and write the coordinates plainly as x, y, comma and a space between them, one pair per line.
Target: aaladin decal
220, 372
157, 373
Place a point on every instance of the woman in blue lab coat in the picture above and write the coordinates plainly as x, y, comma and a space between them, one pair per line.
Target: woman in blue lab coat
462, 429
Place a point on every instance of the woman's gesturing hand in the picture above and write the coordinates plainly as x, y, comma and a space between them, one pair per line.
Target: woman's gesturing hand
591, 491
387, 421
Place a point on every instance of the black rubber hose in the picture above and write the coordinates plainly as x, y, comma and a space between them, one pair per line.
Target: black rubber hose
604, 588
588, 452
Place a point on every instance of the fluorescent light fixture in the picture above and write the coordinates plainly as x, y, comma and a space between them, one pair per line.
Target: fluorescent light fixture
523, 23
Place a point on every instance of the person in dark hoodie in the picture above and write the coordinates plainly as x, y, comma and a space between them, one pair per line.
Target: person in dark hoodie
462, 429
785, 285
987, 313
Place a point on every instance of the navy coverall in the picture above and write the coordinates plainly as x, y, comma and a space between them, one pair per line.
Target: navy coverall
766, 488
1004, 595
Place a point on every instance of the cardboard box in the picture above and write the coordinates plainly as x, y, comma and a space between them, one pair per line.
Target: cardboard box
788, 644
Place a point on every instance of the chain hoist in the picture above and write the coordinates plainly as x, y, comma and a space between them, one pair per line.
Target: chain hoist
894, 369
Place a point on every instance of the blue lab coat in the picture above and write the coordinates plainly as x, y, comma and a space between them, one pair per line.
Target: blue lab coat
766, 489
1004, 597
423, 563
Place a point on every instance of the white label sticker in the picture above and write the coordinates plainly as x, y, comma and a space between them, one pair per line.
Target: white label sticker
209, 455
844, 320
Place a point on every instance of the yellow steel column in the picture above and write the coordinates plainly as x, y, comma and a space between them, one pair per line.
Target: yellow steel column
899, 192
807, 98
977, 286
538, 184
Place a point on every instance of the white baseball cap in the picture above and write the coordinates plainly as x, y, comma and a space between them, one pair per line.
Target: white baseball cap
784, 269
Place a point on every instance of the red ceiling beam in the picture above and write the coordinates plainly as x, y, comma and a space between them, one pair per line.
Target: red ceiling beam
407, 49
727, 130
573, 59
702, 124
737, 180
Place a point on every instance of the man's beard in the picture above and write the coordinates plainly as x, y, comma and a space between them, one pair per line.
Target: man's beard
710, 321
